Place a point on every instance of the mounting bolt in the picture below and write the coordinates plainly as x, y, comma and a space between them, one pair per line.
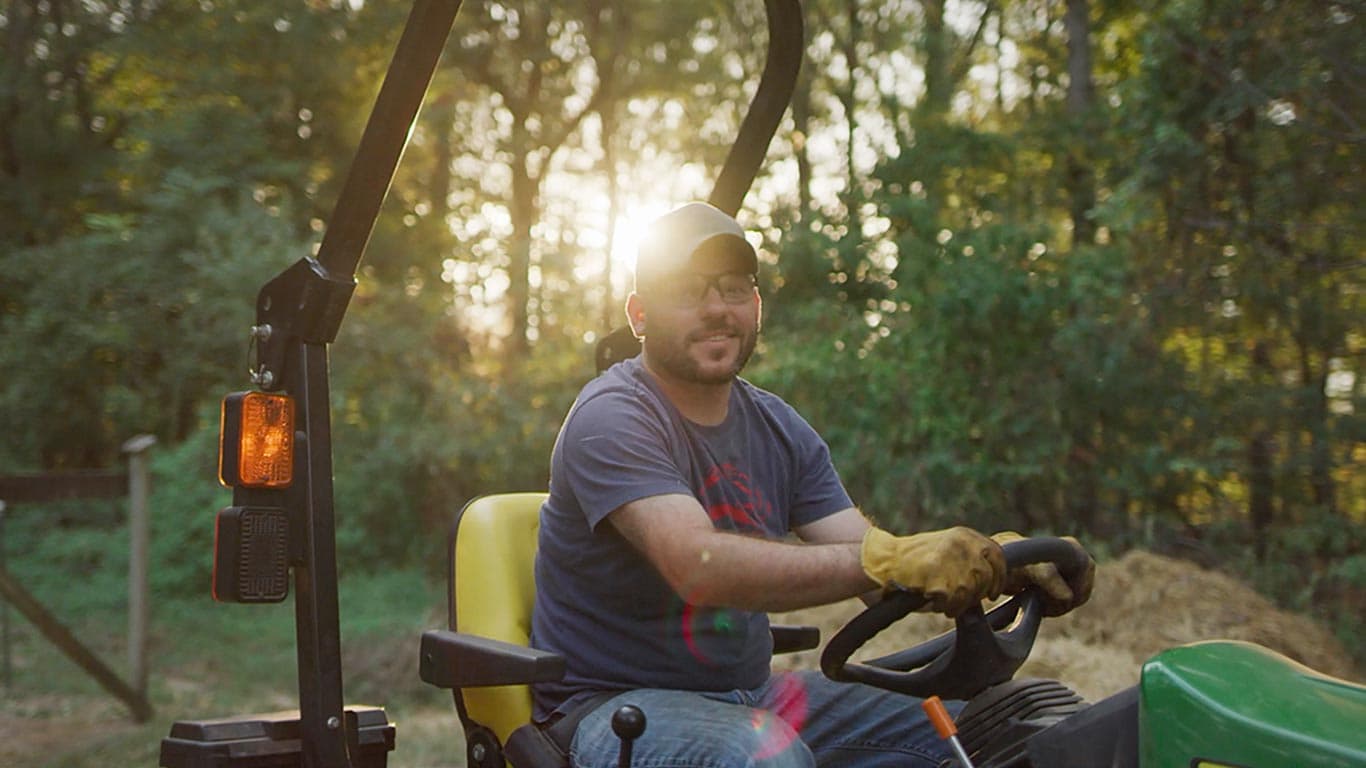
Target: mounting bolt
261, 332
478, 752
333, 723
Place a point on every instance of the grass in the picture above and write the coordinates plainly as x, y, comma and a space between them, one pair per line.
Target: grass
212, 660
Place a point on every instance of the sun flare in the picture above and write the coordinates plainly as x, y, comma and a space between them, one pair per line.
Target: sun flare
631, 225
638, 203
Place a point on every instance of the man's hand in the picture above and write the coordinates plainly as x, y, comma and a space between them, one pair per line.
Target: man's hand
955, 568
1059, 594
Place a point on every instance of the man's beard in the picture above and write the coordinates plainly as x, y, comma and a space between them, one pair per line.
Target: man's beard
671, 356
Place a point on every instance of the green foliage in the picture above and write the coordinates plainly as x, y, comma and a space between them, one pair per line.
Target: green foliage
184, 500
1012, 374
1241, 171
158, 163
51, 546
420, 430
144, 342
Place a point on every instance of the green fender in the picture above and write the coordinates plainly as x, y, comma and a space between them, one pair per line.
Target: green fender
1225, 703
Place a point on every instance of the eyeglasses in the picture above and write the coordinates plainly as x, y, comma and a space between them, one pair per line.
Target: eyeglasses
689, 291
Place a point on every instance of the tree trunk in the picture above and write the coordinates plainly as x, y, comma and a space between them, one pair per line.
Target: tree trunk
611, 313
938, 66
849, 101
1261, 489
12, 59
1261, 469
524, 215
1081, 182
1322, 488
801, 124
441, 115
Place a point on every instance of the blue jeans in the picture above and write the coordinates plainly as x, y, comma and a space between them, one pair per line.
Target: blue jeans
795, 720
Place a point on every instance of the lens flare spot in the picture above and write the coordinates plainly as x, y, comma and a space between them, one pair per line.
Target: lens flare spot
690, 638
772, 737
723, 622
791, 702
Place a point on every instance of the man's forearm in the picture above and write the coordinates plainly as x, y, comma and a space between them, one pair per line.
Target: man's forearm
756, 574
720, 568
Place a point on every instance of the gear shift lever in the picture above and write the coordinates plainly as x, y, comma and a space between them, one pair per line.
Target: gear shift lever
627, 723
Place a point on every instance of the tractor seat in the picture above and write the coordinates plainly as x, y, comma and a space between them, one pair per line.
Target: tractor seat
483, 656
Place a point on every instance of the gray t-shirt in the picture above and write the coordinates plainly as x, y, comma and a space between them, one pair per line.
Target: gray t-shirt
599, 602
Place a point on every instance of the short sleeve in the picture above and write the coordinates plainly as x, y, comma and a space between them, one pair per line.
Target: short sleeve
616, 450
818, 491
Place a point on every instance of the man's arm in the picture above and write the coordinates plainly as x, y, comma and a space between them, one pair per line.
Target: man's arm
847, 525
708, 567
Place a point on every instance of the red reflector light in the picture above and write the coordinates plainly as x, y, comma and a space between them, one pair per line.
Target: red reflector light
256, 447
250, 555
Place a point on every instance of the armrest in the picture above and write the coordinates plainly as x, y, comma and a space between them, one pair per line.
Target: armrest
459, 660
787, 639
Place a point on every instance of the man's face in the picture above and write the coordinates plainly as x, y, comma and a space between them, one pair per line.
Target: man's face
702, 328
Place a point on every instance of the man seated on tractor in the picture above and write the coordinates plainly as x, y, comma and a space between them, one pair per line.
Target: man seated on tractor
665, 542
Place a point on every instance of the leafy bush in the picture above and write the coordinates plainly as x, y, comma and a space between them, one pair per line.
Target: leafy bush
185, 498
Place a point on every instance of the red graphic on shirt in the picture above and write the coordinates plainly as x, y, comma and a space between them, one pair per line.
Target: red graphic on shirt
733, 501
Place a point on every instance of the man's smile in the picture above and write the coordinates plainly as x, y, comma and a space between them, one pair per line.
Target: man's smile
713, 335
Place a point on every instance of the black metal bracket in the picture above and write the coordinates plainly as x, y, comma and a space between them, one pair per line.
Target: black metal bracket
305, 303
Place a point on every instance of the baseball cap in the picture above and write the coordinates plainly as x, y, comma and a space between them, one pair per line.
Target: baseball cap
696, 237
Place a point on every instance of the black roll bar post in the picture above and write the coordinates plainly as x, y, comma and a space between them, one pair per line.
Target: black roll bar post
298, 313
786, 43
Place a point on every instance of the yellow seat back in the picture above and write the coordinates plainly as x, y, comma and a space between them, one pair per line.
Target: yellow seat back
493, 588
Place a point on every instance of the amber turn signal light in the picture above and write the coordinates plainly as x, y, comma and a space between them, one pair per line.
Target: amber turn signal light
256, 440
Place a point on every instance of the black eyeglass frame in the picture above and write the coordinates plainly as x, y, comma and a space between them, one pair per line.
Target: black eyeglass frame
689, 290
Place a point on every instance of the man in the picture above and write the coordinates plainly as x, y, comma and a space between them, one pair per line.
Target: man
665, 542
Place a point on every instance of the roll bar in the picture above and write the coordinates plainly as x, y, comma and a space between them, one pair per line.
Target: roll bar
299, 312
785, 45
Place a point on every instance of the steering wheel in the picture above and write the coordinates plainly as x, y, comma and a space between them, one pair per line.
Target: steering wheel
981, 651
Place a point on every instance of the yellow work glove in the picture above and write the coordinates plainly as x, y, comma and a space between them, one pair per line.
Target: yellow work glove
954, 568
1059, 595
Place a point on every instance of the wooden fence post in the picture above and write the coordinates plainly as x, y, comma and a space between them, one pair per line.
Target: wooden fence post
139, 487
6, 669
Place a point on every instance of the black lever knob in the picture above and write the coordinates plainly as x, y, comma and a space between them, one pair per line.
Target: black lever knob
628, 723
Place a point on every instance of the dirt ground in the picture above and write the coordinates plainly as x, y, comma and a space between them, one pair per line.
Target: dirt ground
37, 724
1142, 604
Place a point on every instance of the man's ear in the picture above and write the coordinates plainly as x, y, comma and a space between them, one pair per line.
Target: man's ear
635, 314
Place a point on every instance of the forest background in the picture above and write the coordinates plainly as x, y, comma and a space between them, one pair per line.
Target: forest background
1076, 267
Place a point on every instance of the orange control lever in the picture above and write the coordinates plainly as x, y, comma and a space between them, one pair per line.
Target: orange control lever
939, 717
